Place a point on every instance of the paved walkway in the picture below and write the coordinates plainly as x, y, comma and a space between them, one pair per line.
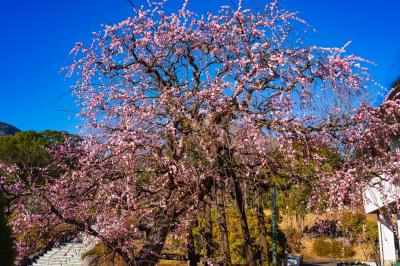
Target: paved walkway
320, 262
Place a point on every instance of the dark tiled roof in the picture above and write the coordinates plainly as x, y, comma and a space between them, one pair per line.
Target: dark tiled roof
394, 94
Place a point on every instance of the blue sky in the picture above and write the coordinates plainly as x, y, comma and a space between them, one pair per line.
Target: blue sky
36, 37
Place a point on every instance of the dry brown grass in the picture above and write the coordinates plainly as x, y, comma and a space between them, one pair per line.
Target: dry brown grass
289, 221
171, 263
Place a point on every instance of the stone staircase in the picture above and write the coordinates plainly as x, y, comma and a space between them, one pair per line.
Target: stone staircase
66, 254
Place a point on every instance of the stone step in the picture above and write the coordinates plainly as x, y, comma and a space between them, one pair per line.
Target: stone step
67, 254
54, 263
58, 259
59, 264
60, 256
64, 251
51, 262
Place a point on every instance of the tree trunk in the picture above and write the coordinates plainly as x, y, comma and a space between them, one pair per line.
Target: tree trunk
149, 255
208, 237
274, 227
191, 251
225, 155
243, 221
262, 230
223, 228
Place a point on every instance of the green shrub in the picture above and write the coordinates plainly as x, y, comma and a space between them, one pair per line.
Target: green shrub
371, 231
332, 249
7, 252
352, 224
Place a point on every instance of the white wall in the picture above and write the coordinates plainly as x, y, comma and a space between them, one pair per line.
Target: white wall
386, 241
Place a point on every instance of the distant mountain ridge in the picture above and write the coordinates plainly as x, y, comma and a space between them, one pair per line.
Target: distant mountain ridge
6, 129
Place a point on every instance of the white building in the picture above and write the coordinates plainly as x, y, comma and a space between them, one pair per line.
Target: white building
378, 195
381, 194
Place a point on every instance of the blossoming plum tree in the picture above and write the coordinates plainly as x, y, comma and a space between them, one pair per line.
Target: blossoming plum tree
181, 108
